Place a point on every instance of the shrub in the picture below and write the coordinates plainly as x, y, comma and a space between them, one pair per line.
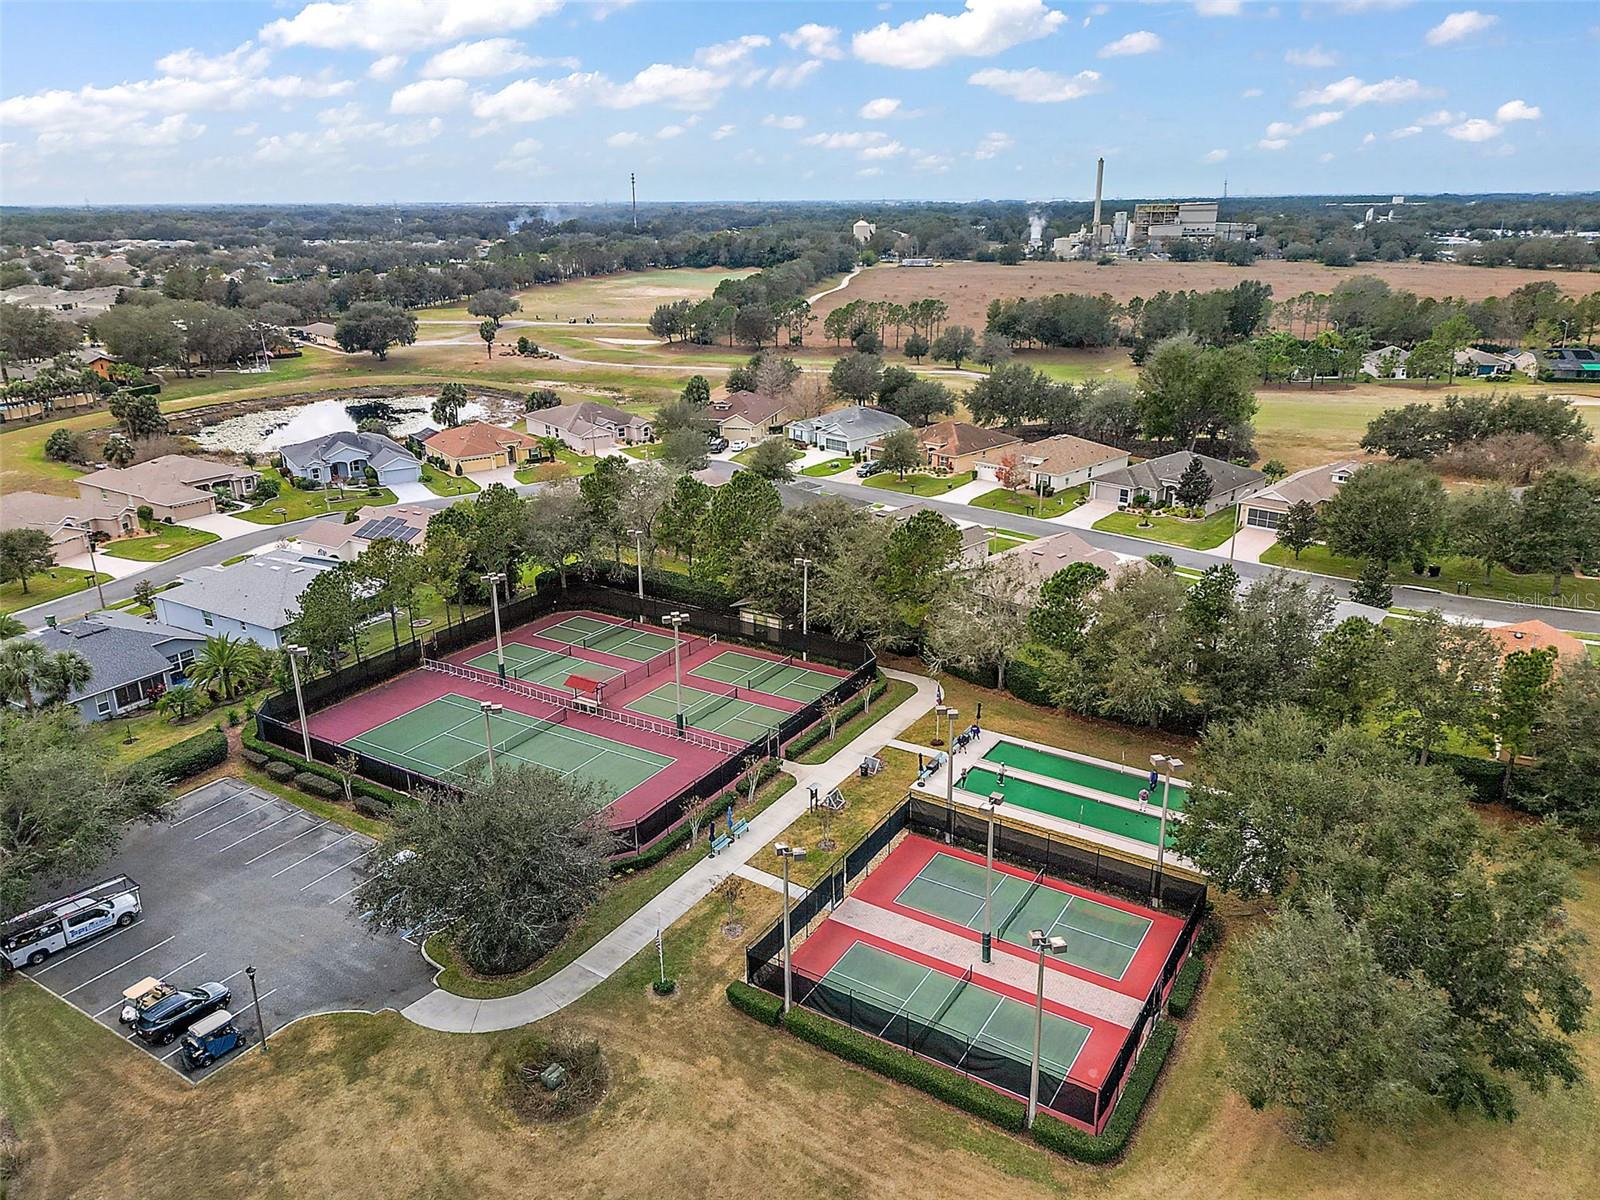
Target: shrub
1181, 998
663, 987
753, 1002
316, 785
254, 758
852, 709
295, 764
233, 718
370, 806
1109, 1144
579, 1056
680, 835
191, 756
281, 771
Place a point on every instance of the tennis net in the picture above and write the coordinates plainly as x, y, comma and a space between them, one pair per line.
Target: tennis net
619, 632
528, 732
1027, 894
762, 674
528, 666
706, 707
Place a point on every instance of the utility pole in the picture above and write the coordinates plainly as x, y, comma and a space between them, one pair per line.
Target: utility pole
633, 189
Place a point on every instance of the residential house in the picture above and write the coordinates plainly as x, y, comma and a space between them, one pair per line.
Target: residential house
68, 522
953, 447
1315, 486
1526, 361
319, 332
91, 358
176, 487
133, 660
1058, 462
1386, 362
345, 456
1538, 635
974, 537
479, 446
254, 599
749, 417
1158, 479
863, 230
1569, 364
333, 537
1044, 557
590, 427
846, 430
1481, 363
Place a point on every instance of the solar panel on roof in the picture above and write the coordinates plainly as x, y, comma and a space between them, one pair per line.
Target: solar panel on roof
369, 530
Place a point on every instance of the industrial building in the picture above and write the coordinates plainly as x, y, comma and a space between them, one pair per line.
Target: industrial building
1186, 219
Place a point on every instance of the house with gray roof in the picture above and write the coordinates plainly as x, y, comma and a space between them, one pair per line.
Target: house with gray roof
1266, 507
134, 661
345, 456
1158, 479
255, 599
845, 430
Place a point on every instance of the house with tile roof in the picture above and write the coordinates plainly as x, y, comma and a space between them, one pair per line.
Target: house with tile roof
255, 599
1158, 479
974, 537
1057, 463
133, 660
954, 447
67, 521
1266, 507
479, 446
344, 457
1539, 635
749, 416
334, 537
177, 487
1044, 557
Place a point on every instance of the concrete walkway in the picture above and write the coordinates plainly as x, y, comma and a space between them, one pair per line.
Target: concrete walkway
450, 1013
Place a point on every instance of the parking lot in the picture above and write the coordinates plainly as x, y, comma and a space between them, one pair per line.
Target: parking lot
236, 877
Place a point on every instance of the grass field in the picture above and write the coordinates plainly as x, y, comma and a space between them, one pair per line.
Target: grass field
442, 484
918, 485
1501, 584
568, 465
832, 467
167, 542
1173, 531
631, 296
297, 503
1027, 504
47, 585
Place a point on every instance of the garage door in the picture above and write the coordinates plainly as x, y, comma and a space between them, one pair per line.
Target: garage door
1263, 518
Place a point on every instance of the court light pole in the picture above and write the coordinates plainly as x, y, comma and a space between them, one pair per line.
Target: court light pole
638, 559
950, 774
296, 653
785, 851
996, 799
494, 579
805, 603
255, 999
1167, 764
490, 710
1057, 945
676, 620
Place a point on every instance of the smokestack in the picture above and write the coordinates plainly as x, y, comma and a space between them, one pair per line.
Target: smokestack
1099, 185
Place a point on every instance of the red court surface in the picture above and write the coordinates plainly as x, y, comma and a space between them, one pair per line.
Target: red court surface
890, 877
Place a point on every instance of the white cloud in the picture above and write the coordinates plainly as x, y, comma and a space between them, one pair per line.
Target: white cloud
726, 54
1034, 86
1272, 143
1369, 139
430, 96
723, 132
1474, 130
191, 64
1443, 117
1404, 132
480, 60
1142, 42
774, 121
1351, 91
534, 99
1326, 156
1316, 56
1459, 25
931, 162
1219, 8
870, 172
818, 41
1215, 156
522, 156
338, 142
880, 109
794, 76
854, 140
1280, 133
386, 67
993, 144
886, 150
618, 141
667, 132
395, 26
1250, 94
1517, 110
984, 28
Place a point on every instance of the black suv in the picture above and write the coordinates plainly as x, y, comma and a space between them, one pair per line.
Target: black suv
716, 443
163, 1021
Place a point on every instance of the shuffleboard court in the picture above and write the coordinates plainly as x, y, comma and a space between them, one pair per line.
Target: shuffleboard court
775, 676
979, 1019
731, 716
549, 668
616, 638
1072, 771
445, 739
1025, 793
1100, 938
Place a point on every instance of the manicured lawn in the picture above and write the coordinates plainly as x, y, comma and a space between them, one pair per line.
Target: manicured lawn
1196, 535
646, 452
298, 503
997, 544
896, 694
1026, 504
167, 542
919, 485
441, 484
237, 558
831, 467
567, 465
146, 731
1501, 584
47, 585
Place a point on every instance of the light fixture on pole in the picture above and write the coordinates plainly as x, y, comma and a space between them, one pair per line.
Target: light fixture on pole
805, 602
1056, 945
494, 579
676, 620
785, 851
296, 653
255, 998
638, 556
1167, 764
490, 710
95, 571
950, 775
996, 799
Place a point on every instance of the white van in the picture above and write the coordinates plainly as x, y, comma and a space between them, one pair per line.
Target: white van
29, 938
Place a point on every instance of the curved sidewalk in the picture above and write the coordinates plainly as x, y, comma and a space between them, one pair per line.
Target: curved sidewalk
450, 1013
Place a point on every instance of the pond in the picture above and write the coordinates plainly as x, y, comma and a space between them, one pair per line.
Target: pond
270, 428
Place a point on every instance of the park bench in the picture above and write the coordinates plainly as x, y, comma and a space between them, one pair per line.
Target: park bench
740, 827
720, 843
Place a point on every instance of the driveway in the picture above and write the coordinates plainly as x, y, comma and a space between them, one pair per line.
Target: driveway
108, 564
223, 525
406, 493
1249, 544
505, 475
968, 492
1085, 515
237, 877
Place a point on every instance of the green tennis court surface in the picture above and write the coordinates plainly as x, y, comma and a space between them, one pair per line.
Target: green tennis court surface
1070, 771
1025, 793
608, 637
969, 1011
1100, 938
731, 716
547, 667
445, 738
776, 677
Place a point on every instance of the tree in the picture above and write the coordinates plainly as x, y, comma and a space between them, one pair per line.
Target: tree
1566, 741
899, 452
1434, 671
330, 614
63, 673
768, 574
1372, 585
1194, 484
1559, 529
11, 627
772, 459
493, 304
374, 326
980, 620
685, 449
556, 520
502, 871
1344, 684
1521, 692
697, 391
143, 335
739, 510
1186, 390
1452, 334
62, 446
1010, 473
679, 522
1386, 512
24, 552
179, 702
447, 404
1265, 651
499, 535
954, 345
63, 805
21, 661
602, 490
1483, 524
487, 331
1299, 526
857, 377
540, 399
1430, 360
392, 570
993, 350
916, 347
1061, 613
919, 400
139, 415
119, 453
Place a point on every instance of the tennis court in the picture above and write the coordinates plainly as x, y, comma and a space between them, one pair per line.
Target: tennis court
547, 667
774, 676
1100, 938
731, 716
982, 1019
617, 638
1111, 818
1078, 772
445, 739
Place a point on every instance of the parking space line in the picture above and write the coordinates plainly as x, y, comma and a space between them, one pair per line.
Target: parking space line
342, 895
335, 871
118, 967
97, 943
163, 975
240, 817
208, 808
263, 829
281, 845
312, 855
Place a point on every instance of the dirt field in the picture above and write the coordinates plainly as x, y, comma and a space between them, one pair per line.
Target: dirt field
968, 287
627, 297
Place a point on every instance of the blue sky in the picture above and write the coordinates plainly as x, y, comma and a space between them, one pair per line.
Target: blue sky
483, 100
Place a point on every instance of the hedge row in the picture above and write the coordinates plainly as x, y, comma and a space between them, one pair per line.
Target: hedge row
966, 1094
1185, 986
191, 756
379, 799
671, 841
852, 709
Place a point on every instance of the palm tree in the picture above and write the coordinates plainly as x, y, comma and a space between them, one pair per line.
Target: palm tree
227, 662
21, 660
549, 445
180, 703
10, 627
64, 672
